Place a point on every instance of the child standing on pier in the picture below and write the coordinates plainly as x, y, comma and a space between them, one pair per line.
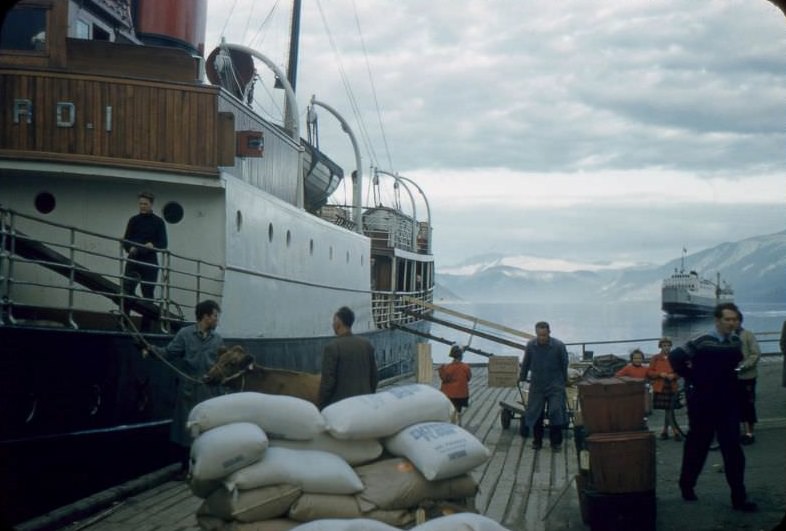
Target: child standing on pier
455, 378
664, 386
636, 368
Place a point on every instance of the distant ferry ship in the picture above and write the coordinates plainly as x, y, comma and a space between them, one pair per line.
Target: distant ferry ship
690, 294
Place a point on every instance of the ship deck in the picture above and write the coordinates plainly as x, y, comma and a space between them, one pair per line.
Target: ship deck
534, 490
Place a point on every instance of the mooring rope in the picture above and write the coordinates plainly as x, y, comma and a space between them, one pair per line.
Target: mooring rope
139, 339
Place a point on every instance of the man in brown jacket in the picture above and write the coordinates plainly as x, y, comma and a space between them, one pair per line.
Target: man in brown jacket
348, 364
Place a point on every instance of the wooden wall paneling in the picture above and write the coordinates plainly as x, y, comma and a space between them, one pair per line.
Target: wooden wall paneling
36, 89
128, 122
206, 130
140, 115
79, 136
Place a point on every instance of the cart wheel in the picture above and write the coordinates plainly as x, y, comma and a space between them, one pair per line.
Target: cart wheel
504, 418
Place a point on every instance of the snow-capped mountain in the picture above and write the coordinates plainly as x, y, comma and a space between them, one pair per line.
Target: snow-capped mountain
756, 267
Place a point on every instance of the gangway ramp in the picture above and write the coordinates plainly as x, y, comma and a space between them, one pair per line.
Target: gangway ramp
472, 331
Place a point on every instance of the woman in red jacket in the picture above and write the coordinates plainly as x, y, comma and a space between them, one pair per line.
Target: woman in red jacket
664, 385
455, 378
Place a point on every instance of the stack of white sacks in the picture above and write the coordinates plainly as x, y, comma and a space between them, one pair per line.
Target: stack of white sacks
270, 462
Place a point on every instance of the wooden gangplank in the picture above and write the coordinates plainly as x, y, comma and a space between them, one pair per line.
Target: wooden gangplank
475, 320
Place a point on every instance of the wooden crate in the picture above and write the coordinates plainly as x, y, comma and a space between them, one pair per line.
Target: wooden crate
503, 371
622, 462
612, 404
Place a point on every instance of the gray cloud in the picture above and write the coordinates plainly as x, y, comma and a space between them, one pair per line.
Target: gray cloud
544, 88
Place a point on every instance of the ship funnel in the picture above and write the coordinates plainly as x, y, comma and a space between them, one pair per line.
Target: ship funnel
174, 23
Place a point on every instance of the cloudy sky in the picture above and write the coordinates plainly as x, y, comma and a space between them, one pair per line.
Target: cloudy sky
606, 131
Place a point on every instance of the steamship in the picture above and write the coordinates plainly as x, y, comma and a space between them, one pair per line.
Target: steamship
100, 100
690, 295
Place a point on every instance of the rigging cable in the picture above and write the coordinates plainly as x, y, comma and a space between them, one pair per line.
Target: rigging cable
348, 88
226, 22
373, 86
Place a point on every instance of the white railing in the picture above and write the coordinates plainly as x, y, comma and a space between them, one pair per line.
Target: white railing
393, 308
48, 268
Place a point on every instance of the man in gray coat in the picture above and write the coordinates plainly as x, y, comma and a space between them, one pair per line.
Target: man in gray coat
348, 364
546, 360
194, 349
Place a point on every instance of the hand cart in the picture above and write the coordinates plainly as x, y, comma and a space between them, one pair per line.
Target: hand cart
510, 410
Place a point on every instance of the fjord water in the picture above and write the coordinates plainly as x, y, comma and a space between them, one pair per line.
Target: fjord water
604, 327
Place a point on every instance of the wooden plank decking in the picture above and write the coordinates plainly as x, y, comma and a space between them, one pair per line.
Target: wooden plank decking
526, 490
517, 485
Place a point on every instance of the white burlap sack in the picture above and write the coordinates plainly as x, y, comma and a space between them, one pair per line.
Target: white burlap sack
438, 449
396, 484
311, 470
353, 452
385, 413
460, 522
283, 417
217, 453
338, 524
252, 505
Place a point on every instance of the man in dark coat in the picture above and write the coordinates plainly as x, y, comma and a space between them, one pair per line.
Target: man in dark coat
546, 361
708, 363
348, 364
145, 232
194, 349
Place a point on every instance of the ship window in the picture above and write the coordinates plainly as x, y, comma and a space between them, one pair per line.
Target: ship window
239, 220
311, 247
24, 28
361, 260
173, 212
100, 34
330, 253
347, 256
289, 238
45, 202
82, 29
270, 232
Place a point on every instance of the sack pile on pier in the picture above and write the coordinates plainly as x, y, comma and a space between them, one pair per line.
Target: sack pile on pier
270, 462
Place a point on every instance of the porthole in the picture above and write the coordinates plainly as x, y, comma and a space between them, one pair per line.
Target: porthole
173, 212
45, 202
289, 238
270, 232
239, 220
311, 247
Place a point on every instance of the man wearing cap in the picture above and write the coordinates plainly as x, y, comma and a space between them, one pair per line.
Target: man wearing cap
145, 233
455, 378
546, 361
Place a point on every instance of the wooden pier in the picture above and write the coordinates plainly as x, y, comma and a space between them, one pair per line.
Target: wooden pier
524, 489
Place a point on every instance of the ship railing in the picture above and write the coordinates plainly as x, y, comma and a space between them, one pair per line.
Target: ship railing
72, 275
397, 307
389, 228
768, 343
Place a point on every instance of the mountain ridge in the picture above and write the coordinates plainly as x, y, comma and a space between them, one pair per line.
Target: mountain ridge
754, 266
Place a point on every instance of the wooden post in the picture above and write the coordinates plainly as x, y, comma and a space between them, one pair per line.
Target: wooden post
425, 369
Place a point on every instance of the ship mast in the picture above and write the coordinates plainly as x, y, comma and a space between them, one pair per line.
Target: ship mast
294, 49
